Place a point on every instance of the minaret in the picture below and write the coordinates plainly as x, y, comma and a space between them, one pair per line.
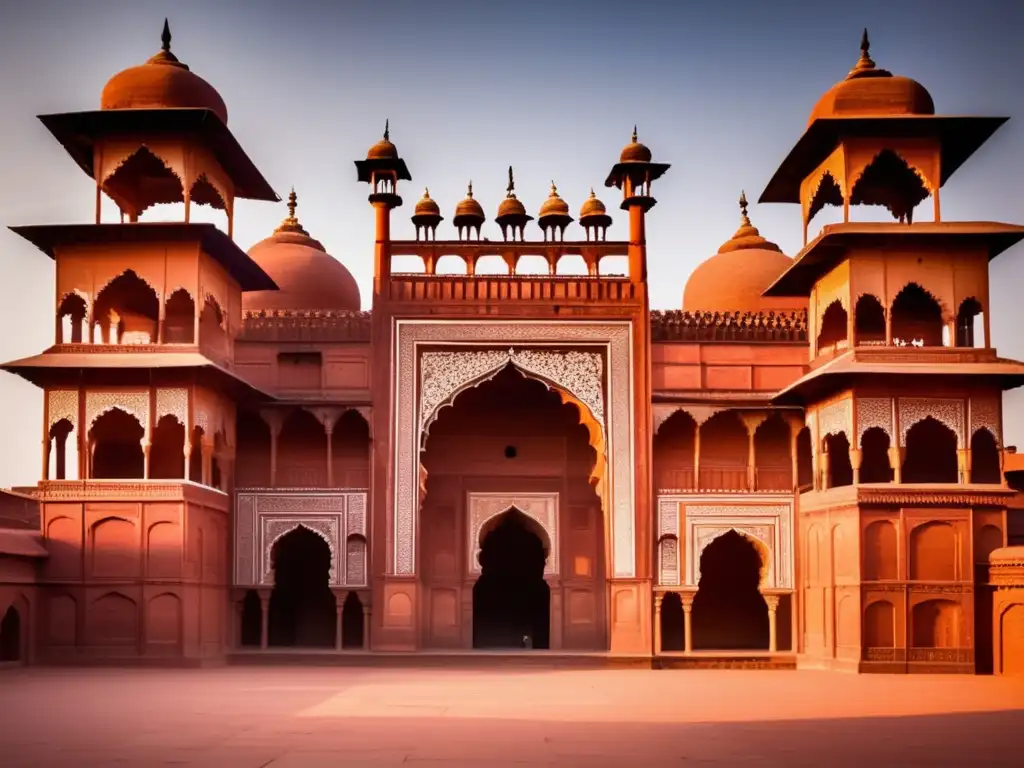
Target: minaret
633, 174
382, 169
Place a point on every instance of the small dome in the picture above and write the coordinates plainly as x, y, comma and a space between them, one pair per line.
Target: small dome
734, 278
1007, 555
554, 205
592, 207
162, 82
871, 92
383, 149
469, 206
510, 206
635, 152
426, 206
308, 277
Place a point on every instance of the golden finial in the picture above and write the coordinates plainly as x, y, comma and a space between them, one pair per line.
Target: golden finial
743, 208
387, 130
593, 194
165, 37
634, 133
554, 190
865, 61
469, 192
291, 223
426, 193
511, 188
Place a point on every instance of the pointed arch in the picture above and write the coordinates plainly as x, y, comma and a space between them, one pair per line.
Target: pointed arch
869, 321
917, 317
127, 310
970, 323
179, 318
206, 192
890, 181
141, 180
827, 192
72, 312
832, 330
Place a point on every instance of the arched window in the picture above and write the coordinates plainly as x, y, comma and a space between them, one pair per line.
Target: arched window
840, 470
167, 453
869, 321
673, 452
774, 464
833, 327
141, 181
985, 463
916, 318
970, 330
874, 456
931, 457
71, 314
804, 460
724, 450
116, 437
889, 181
179, 318
63, 447
127, 311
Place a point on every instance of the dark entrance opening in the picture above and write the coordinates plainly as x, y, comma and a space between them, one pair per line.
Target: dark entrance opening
10, 636
352, 622
729, 612
673, 628
302, 607
511, 600
252, 620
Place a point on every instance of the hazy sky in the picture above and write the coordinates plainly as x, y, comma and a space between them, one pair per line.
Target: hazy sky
721, 90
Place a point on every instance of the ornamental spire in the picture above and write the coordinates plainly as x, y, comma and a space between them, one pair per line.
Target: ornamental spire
743, 209
511, 188
165, 37
387, 130
291, 223
865, 62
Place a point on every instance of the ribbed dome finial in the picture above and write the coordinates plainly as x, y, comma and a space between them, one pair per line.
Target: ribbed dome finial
511, 188
743, 209
469, 190
865, 62
165, 37
634, 133
291, 223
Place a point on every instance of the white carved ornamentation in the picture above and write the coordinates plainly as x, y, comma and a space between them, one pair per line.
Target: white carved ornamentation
874, 412
172, 402
985, 415
443, 375
771, 525
611, 340
668, 565
835, 418
542, 508
948, 411
62, 404
263, 516
133, 403
668, 518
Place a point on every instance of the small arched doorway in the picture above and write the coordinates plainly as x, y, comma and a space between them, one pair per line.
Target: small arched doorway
673, 628
252, 620
729, 612
352, 622
10, 635
302, 610
511, 600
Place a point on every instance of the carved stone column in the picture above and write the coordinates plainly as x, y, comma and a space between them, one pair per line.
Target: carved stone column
555, 629
146, 446
687, 600
696, 457
264, 619
963, 461
773, 607
274, 420
367, 619
896, 460
206, 446
340, 595
329, 431
658, 597
823, 461
752, 420
856, 455
46, 459
888, 328
795, 425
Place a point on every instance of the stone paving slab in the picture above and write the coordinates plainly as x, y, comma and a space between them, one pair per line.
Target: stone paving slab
296, 717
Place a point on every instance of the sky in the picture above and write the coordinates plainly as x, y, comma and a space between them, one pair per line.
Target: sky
721, 90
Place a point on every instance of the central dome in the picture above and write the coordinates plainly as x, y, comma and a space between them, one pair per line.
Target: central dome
871, 92
734, 278
308, 277
162, 82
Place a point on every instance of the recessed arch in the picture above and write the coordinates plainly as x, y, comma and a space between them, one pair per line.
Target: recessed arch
869, 321
127, 310
832, 331
116, 442
916, 318
179, 318
728, 609
143, 179
890, 181
837, 451
827, 192
931, 453
874, 456
72, 314
985, 458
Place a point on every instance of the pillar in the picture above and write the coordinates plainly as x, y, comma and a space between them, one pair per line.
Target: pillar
207, 450
773, 635
794, 452
61, 446
963, 460
188, 458
658, 597
146, 446
687, 601
823, 468
339, 604
856, 455
896, 461
696, 457
264, 619
555, 618
46, 458
367, 618
329, 431
752, 420
274, 420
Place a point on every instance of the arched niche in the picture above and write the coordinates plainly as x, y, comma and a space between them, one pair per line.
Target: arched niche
669, 571
970, 324
179, 318
869, 321
881, 551
890, 181
772, 454
763, 547
126, 311
836, 447
674, 444
72, 316
728, 609
540, 513
931, 453
874, 456
804, 459
832, 330
115, 438
880, 625
917, 319
724, 451
985, 458
936, 624
167, 449
141, 180
301, 451
934, 550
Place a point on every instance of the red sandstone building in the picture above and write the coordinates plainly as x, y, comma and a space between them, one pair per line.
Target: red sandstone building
804, 462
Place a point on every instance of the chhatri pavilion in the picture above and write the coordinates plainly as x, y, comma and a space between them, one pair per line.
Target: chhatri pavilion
801, 466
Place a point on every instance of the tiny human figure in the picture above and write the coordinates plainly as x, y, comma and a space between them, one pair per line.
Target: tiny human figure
527, 641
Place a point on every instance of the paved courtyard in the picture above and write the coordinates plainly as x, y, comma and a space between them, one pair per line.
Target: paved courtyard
287, 717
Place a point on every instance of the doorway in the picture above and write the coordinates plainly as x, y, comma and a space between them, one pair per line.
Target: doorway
511, 600
302, 610
10, 635
729, 612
